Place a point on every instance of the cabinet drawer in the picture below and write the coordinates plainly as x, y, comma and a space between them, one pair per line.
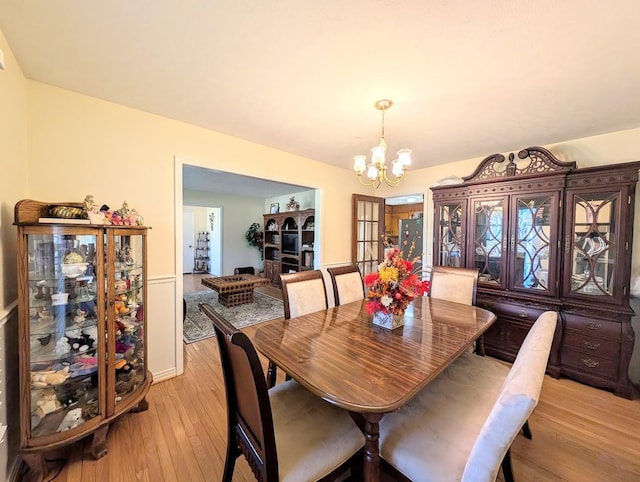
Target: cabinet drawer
593, 327
504, 337
590, 363
514, 311
599, 347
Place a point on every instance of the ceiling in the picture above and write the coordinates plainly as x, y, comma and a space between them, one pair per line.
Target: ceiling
210, 180
468, 79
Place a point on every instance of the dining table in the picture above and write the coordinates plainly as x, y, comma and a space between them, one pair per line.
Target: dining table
341, 356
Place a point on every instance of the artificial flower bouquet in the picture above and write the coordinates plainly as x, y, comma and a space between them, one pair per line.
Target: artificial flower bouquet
394, 286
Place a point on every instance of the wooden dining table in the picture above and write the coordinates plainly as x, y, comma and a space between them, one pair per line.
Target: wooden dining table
339, 355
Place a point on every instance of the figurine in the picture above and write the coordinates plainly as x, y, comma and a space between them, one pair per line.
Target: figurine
72, 419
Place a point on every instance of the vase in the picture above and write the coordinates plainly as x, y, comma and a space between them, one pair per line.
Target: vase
391, 321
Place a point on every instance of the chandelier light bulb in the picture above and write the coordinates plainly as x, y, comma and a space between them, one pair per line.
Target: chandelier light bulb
359, 164
404, 157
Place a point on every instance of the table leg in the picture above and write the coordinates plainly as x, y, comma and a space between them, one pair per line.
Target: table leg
371, 449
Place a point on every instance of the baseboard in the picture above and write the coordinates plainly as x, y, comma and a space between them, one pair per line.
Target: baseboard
164, 375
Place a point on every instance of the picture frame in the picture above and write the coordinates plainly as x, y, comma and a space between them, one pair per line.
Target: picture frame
275, 208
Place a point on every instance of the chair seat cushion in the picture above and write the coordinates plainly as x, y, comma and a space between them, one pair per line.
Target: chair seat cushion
311, 434
452, 409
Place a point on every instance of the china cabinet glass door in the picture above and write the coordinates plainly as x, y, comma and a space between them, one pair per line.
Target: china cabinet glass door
126, 295
592, 245
532, 253
64, 328
487, 248
450, 235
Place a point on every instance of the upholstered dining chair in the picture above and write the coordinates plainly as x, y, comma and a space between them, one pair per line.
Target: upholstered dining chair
454, 284
459, 285
286, 433
462, 425
302, 292
347, 283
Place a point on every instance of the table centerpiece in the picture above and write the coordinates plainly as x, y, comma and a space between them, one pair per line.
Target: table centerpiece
392, 288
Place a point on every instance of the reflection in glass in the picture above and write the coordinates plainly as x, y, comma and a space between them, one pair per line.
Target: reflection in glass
594, 253
63, 331
450, 235
532, 243
487, 242
128, 305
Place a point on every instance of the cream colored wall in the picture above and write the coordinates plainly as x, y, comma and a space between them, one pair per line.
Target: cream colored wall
80, 145
13, 187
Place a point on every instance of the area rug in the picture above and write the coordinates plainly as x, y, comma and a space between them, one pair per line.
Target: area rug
197, 326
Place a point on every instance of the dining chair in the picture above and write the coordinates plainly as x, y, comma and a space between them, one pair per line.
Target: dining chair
462, 424
459, 285
454, 284
302, 292
347, 283
286, 433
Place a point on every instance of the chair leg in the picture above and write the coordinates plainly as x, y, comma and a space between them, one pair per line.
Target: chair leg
271, 375
480, 346
507, 471
526, 430
233, 452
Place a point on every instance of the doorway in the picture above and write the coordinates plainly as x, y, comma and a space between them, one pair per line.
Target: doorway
404, 227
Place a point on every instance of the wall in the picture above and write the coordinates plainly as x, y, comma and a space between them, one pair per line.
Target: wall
238, 212
305, 198
13, 187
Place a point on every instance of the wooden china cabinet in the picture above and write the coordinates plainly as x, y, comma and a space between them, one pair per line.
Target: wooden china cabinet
288, 243
82, 331
546, 235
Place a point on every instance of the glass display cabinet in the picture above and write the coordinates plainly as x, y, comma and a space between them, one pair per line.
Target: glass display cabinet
546, 235
82, 297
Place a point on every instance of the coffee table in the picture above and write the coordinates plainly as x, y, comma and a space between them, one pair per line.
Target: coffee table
235, 289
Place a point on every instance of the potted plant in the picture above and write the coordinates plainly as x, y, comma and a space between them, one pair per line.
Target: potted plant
255, 237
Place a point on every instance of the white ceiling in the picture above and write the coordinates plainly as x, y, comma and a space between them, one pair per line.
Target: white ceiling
210, 180
468, 78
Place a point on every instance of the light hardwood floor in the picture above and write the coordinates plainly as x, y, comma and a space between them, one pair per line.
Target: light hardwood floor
579, 433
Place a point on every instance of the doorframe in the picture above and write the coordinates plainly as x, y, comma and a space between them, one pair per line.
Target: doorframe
178, 196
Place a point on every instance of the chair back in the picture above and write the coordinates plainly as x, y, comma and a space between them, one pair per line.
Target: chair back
519, 396
454, 284
250, 420
347, 283
303, 292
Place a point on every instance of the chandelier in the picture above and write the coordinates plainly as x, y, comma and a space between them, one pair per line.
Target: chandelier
377, 168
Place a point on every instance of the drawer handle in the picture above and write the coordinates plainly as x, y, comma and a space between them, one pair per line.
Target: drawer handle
590, 363
591, 345
592, 325
523, 314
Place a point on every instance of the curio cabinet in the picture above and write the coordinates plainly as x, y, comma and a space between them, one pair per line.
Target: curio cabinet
82, 331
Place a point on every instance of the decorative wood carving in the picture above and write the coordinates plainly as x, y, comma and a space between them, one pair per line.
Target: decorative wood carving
541, 161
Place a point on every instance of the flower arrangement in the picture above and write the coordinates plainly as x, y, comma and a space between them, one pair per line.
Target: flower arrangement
394, 286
